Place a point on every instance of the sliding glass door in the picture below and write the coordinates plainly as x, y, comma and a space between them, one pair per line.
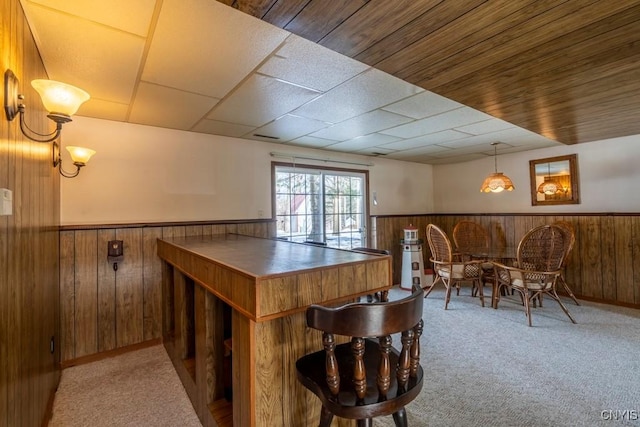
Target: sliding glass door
323, 206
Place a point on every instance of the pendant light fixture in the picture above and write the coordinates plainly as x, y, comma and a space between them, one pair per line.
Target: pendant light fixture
549, 186
497, 181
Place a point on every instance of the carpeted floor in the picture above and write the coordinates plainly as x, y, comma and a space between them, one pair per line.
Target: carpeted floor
486, 367
483, 367
139, 388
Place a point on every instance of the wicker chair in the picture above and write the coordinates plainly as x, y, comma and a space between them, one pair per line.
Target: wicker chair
449, 270
539, 261
366, 377
471, 237
570, 239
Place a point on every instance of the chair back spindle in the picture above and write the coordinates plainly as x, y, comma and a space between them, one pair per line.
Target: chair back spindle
366, 376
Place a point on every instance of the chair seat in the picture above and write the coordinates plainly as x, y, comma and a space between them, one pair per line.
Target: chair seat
312, 374
530, 285
461, 271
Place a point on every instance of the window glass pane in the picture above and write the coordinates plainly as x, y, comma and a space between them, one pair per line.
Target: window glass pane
320, 205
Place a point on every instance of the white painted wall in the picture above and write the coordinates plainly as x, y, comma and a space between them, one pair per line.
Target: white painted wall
609, 175
148, 174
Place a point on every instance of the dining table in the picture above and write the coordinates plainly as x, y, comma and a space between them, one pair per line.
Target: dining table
502, 254
235, 302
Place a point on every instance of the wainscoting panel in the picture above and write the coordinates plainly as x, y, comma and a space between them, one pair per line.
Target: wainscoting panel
29, 315
103, 308
604, 264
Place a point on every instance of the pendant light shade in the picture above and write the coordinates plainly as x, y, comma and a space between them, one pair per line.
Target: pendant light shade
549, 186
497, 181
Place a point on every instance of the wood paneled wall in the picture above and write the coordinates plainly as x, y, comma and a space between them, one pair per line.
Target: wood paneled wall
104, 309
29, 371
604, 264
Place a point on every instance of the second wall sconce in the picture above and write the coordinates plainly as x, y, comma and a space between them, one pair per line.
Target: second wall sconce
61, 101
79, 155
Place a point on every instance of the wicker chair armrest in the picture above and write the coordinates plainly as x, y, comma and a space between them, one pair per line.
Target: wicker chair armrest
501, 266
504, 272
474, 261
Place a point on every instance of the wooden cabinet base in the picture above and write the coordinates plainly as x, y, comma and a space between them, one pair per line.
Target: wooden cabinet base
218, 305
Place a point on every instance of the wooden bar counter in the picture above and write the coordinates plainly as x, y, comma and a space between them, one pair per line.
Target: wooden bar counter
262, 288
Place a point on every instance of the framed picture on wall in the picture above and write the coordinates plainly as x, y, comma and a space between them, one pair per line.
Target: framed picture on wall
554, 180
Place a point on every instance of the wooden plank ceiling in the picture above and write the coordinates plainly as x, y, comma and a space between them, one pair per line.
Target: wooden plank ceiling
567, 70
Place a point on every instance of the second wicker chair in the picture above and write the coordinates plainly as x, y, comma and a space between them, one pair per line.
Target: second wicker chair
448, 269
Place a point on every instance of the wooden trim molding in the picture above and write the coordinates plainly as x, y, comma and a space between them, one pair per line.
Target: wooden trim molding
162, 224
110, 353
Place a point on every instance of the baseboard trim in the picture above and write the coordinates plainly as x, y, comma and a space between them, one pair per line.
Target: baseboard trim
48, 412
604, 301
110, 353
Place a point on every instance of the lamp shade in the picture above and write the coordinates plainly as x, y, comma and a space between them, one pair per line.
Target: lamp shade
60, 97
497, 182
549, 187
80, 155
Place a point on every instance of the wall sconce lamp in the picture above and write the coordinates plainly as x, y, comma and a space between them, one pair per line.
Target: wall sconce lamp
62, 101
79, 155
497, 181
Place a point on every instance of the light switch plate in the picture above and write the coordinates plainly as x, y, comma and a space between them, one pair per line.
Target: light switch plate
6, 201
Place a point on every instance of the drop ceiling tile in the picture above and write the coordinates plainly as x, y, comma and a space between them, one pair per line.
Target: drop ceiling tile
376, 139
289, 127
104, 110
367, 91
362, 125
448, 120
310, 65
513, 135
424, 140
311, 141
87, 59
487, 126
375, 151
425, 159
423, 105
485, 139
225, 47
362, 142
215, 127
157, 106
461, 152
259, 100
457, 159
126, 15
428, 150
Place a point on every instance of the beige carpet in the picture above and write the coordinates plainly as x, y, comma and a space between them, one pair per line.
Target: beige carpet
139, 388
483, 367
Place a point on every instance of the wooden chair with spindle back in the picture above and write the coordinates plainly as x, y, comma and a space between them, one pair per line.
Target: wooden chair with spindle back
366, 377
